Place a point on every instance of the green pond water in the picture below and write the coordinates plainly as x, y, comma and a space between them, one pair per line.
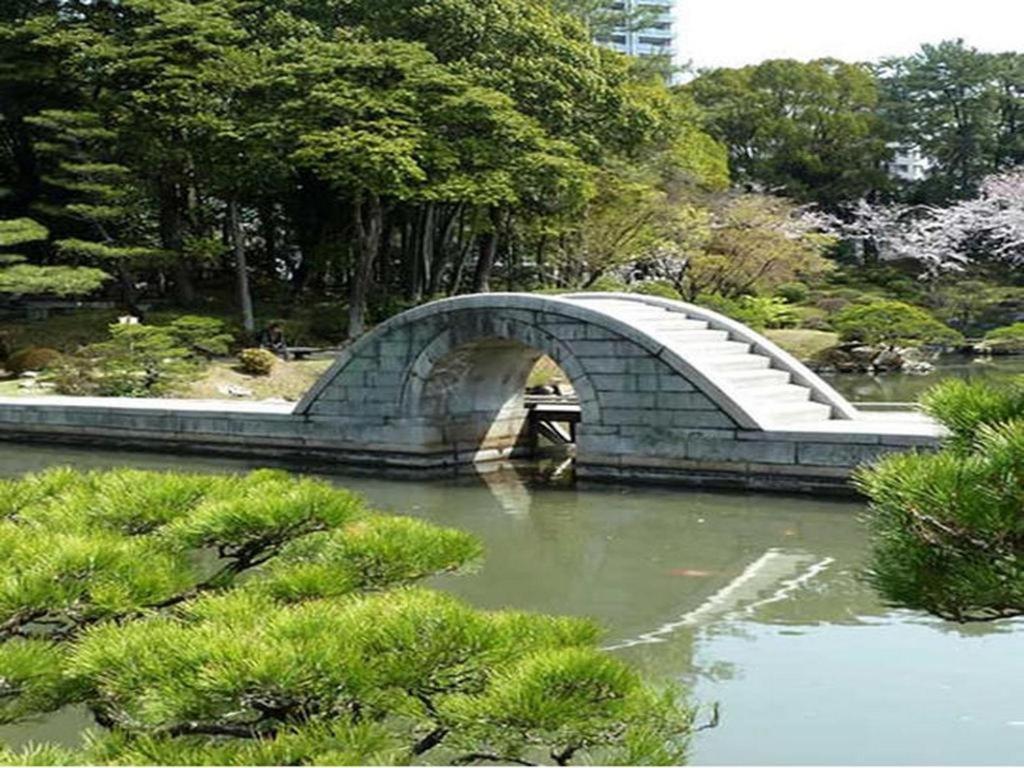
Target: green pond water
907, 388
751, 601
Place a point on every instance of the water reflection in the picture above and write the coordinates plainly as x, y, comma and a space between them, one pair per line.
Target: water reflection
907, 388
752, 600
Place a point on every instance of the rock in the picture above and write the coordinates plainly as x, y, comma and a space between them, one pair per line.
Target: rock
918, 367
914, 354
888, 359
864, 356
29, 375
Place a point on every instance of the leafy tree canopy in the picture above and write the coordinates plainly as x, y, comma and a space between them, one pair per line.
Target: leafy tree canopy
808, 130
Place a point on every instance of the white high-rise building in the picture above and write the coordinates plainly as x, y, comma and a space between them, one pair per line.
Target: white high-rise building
658, 39
908, 162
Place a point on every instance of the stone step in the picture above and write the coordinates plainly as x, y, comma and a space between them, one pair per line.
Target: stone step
677, 323
688, 336
787, 393
758, 378
786, 414
736, 362
712, 349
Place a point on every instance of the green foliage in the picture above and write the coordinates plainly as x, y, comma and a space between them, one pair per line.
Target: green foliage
972, 304
63, 332
1006, 340
607, 284
58, 280
957, 104
20, 231
794, 293
892, 322
18, 277
270, 620
759, 312
205, 335
945, 527
31, 359
660, 288
256, 362
965, 407
142, 360
137, 361
743, 244
811, 129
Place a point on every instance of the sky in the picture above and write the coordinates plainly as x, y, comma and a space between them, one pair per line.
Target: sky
731, 33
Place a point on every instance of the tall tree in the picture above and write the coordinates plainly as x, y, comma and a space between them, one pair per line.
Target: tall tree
806, 130
962, 107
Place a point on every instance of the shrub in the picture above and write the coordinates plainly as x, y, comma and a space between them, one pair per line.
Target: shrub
607, 284
794, 293
206, 335
1006, 340
759, 312
892, 322
32, 359
137, 361
256, 362
813, 319
832, 305
660, 288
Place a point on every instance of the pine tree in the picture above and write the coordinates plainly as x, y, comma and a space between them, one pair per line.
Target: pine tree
267, 619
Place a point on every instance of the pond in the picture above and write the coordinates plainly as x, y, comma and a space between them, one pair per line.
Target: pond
907, 388
752, 601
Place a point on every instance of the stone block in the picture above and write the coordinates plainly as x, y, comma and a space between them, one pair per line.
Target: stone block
838, 454
585, 428
712, 419
626, 399
393, 363
564, 331
674, 382
604, 382
599, 445
713, 449
608, 349
683, 401
392, 379
631, 416
619, 365
396, 348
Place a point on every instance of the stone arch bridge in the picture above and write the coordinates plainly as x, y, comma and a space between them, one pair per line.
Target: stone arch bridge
667, 391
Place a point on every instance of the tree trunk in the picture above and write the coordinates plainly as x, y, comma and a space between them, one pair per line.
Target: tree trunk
368, 217
442, 240
425, 251
241, 267
268, 225
172, 238
488, 254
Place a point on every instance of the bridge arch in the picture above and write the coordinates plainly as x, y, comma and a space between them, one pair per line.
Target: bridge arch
447, 378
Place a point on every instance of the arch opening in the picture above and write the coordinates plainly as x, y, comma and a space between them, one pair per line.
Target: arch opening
498, 398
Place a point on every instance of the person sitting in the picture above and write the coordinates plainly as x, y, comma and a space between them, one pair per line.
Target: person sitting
272, 338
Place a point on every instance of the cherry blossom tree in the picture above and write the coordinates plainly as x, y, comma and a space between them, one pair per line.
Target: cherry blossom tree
944, 238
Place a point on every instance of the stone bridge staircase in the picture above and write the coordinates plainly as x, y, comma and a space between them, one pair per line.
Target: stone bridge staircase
766, 382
